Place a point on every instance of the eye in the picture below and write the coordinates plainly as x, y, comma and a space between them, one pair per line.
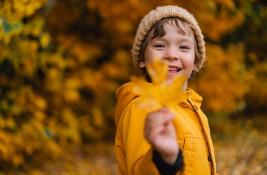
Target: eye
159, 45
185, 47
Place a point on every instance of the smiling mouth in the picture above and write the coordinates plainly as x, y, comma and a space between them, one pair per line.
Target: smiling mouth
174, 69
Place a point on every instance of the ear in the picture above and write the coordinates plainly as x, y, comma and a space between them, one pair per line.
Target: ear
142, 64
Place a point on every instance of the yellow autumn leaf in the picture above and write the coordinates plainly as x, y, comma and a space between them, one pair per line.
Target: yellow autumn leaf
157, 71
160, 91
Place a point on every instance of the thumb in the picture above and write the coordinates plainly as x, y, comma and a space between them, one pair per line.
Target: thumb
168, 118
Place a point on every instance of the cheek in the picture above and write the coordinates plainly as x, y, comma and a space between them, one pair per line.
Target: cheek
151, 55
189, 64
190, 60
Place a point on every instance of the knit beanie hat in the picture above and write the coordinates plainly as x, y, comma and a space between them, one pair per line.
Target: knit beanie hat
162, 12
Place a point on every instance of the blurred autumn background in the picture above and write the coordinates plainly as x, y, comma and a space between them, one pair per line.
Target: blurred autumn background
62, 60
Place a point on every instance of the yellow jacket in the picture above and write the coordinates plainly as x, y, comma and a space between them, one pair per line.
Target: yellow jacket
133, 152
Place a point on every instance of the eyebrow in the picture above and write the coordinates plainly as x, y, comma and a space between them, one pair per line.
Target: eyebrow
184, 39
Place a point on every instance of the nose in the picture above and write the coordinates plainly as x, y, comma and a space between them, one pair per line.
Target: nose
171, 54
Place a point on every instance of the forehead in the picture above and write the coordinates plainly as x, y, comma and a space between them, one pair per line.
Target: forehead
159, 29
172, 33
181, 27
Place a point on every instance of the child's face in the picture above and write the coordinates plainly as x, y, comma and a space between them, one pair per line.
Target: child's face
176, 48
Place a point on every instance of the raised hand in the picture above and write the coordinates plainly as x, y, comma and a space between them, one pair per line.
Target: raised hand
160, 133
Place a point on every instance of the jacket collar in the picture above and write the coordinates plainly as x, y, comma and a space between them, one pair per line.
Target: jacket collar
193, 97
125, 94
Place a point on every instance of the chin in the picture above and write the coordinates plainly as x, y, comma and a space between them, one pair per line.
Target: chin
172, 75
170, 78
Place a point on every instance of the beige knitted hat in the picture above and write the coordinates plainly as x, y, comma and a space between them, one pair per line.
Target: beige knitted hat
164, 12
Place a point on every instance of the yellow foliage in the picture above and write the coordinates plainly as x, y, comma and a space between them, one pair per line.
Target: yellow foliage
98, 117
60, 67
54, 148
45, 39
40, 116
228, 3
17, 9
9, 123
118, 67
40, 102
17, 160
53, 84
225, 24
257, 94
223, 81
82, 51
71, 95
70, 125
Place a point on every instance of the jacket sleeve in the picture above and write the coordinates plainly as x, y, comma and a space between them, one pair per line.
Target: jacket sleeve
165, 168
133, 152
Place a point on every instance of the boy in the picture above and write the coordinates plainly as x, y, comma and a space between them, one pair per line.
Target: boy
172, 140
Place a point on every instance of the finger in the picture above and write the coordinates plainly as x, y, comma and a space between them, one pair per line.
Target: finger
161, 115
151, 129
158, 119
164, 109
149, 126
152, 135
165, 118
155, 121
153, 118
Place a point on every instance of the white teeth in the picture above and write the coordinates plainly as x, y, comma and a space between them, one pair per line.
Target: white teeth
174, 69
